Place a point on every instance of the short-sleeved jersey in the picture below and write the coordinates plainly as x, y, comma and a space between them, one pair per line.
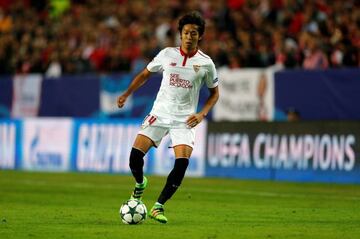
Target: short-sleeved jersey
183, 77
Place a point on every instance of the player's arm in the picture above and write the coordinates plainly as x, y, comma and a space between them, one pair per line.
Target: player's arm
195, 119
138, 81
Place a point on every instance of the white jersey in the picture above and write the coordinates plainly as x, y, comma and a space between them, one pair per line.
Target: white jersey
183, 77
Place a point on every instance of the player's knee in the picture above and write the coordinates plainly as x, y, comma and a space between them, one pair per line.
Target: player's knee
136, 159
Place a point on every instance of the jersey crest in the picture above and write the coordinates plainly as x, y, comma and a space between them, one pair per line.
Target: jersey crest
196, 68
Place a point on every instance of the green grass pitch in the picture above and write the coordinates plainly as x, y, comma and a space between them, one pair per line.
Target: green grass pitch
84, 205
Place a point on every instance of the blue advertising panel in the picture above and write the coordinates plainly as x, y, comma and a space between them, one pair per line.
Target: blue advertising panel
86, 145
304, 151
10, 144
319, 95
46, 144
103, 145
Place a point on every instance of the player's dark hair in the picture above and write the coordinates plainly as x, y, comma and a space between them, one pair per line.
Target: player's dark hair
192, 18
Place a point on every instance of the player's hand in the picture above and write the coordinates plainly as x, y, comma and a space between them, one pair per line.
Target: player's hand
121, 101
194, 120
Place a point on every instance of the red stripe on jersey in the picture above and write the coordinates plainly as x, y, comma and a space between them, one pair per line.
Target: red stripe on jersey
184, 61
191, 54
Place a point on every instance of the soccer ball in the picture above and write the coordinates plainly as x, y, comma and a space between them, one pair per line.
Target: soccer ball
133, 211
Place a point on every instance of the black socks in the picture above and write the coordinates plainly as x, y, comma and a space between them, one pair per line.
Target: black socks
136, 164
174, 179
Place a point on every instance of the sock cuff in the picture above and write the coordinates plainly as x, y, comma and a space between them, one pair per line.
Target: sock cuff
182, 162
137, 152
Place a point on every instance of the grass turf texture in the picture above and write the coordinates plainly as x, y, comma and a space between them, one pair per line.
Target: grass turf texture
70, 205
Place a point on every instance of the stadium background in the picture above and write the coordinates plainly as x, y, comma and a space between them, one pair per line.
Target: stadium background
289, 79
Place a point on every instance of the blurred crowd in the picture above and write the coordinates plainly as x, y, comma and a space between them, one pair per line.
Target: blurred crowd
58, 37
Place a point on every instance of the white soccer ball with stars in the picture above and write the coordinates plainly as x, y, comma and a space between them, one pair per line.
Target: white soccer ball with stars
133, 211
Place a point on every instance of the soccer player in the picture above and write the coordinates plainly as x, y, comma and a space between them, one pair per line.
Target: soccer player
184, 69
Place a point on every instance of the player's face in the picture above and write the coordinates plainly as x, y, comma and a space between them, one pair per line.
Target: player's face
190, 37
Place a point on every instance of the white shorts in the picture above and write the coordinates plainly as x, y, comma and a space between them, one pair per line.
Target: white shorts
156, 128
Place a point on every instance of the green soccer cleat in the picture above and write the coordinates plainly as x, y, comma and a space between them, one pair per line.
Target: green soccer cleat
157, 213
139, 189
